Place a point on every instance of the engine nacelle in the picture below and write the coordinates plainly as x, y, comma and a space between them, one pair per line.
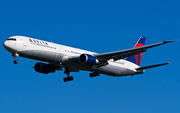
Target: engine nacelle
87, 59
43, 68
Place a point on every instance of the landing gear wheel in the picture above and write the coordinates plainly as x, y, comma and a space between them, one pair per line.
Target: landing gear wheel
15, 57
65, 79
15, 61
94, 74
71, 78
68, 79
91, 75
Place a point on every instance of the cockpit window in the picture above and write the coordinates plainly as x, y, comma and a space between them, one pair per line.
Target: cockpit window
11, 39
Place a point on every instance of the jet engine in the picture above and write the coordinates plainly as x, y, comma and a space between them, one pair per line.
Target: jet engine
88, 59
43, 68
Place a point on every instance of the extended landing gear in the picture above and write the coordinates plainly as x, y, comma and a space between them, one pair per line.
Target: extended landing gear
15, 57
94, 74
15, 61
68, 78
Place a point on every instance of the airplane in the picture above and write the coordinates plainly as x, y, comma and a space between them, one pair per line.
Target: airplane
58, 57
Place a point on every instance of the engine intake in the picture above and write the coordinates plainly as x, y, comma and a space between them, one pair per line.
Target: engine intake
43, 68
87, 59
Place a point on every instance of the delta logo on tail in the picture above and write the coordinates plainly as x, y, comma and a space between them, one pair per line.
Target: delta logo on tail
137, 58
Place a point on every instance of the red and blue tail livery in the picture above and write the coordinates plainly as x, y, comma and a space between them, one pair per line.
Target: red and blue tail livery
137, 58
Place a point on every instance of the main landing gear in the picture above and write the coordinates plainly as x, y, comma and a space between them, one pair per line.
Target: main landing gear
15, 57
94, 74
68, 78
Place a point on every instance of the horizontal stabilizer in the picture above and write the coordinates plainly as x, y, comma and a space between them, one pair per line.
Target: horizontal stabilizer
152, 66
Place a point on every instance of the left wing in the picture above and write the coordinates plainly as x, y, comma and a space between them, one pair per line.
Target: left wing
116, 55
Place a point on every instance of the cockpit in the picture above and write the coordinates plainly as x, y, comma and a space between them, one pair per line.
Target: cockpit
11, 39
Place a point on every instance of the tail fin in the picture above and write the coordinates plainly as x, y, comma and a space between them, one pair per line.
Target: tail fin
137, 58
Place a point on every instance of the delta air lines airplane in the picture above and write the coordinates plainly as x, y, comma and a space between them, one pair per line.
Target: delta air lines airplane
58, 57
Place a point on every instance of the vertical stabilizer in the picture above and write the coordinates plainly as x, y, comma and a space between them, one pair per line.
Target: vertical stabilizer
137, 58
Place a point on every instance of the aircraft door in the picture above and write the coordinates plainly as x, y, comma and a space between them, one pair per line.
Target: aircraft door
60, 51
25, 42
19, 44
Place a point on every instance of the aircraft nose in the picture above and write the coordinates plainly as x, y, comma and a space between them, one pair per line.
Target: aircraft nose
8, 45
5, 44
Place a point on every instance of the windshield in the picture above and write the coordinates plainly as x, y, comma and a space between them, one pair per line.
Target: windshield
11, 39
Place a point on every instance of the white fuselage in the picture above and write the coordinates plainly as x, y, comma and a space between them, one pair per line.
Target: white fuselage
58, 54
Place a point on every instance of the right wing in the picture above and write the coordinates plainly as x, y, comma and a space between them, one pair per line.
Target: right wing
116, 55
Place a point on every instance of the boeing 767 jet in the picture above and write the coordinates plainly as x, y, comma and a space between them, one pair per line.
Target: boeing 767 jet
58, 57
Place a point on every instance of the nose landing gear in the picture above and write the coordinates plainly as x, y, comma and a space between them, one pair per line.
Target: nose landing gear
15, 57
15, 61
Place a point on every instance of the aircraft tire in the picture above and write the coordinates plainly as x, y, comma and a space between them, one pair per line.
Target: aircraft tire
91, 75
67, 79
71, 78
15, 61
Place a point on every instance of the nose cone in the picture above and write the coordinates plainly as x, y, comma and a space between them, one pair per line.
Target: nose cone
5, 44
9, 46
